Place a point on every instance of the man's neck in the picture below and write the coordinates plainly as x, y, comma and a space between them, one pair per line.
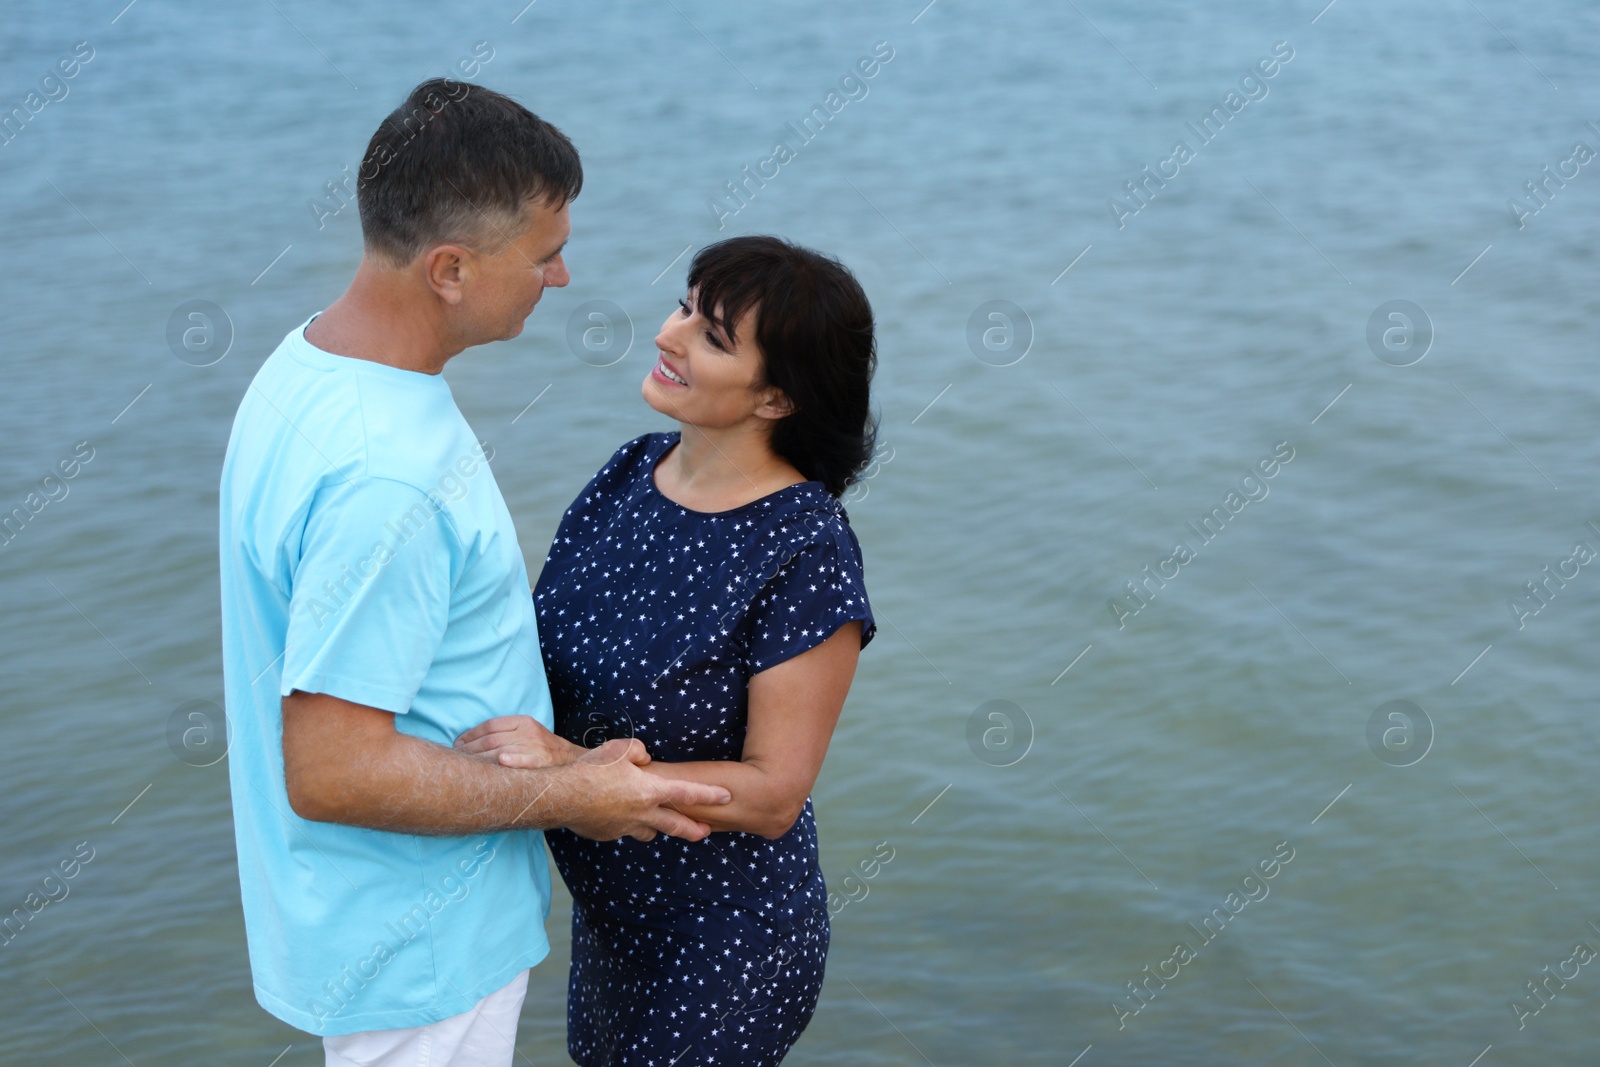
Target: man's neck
383, 318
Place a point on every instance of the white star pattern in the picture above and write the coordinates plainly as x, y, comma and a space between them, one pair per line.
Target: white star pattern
652, 618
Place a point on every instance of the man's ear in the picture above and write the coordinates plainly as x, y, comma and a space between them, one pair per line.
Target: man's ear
446, 268
775, 404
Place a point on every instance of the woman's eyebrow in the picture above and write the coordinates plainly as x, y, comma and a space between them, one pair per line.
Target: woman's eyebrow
723, 336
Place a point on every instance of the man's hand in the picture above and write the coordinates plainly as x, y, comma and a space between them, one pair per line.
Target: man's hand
624, 801
519, 741
619, 800
346, 763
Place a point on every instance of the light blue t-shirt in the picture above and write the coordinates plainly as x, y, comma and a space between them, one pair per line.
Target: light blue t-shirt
367, 554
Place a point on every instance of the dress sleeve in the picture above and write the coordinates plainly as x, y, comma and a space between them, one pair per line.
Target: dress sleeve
812, 594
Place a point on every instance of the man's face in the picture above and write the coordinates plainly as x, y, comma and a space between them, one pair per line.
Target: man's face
507, 284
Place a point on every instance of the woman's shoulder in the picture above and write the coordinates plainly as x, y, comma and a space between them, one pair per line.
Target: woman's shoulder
630, 462
614, 481
642, 450
805, 517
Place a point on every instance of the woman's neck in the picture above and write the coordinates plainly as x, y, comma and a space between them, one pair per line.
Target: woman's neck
718, 470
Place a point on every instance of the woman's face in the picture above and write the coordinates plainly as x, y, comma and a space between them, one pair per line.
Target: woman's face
704, 378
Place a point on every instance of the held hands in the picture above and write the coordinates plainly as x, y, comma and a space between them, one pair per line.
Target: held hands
519, 741
613, 798
620, 800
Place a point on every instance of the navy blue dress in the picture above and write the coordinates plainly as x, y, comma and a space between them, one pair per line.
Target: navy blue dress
652, 619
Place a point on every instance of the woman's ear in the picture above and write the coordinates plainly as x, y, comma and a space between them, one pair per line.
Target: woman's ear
775, 404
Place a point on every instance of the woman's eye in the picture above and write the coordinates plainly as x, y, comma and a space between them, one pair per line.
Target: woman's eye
684, 307
713, 339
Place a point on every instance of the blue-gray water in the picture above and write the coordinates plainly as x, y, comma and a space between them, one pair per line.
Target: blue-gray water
1224, 318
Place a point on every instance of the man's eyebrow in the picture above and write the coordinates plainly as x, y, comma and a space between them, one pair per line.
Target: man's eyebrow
557, 252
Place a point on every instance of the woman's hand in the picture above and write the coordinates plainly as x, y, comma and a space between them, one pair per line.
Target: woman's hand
518, 741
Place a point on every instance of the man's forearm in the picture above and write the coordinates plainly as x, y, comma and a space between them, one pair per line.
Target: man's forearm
408, 785
346, 763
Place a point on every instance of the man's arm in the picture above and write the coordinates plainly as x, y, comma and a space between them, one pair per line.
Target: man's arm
346, 763
793, 708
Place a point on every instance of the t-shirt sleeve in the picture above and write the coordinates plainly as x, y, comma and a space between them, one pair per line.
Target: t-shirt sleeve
371, 593
812, 594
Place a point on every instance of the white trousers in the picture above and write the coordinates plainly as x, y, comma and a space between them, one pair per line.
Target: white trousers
483, 1037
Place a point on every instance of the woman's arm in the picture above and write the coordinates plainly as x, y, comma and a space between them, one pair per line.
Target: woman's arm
793, 708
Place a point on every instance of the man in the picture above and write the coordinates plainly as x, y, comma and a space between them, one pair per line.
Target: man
375, 605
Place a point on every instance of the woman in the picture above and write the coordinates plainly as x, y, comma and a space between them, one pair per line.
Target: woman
704, 594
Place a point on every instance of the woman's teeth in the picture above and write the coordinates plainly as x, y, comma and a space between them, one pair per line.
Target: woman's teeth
667, 372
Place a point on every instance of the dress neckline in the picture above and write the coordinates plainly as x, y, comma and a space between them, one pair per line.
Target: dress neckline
672, 439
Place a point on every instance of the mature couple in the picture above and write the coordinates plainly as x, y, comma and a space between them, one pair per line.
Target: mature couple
406, 717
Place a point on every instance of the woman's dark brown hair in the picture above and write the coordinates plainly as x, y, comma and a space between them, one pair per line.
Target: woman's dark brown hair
814, 327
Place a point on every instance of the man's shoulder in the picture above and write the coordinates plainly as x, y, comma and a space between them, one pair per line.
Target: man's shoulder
297, 419
339, 420
414, 435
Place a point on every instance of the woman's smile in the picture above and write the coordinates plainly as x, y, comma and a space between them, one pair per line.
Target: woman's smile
664, 373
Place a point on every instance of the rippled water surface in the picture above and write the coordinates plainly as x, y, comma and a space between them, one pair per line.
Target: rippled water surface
1147, 760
